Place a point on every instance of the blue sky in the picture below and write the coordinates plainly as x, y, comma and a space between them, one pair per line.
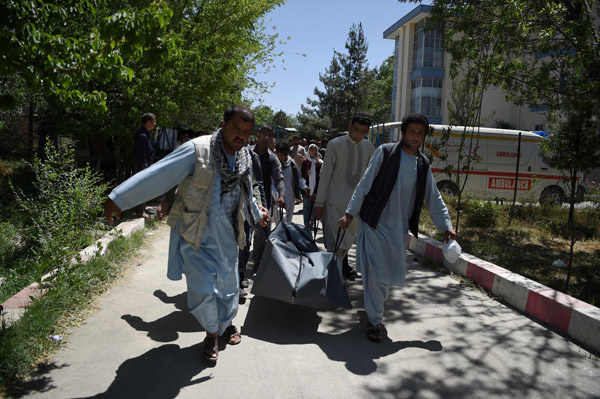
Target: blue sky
317, 27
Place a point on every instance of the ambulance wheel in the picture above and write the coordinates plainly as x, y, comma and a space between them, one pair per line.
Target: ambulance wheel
447, 188
552, 195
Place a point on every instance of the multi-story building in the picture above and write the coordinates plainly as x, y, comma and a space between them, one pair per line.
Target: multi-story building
422, 83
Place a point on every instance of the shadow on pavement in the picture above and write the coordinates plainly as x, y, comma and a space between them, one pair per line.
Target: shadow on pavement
167, 328
38, 382
160, 373
284, 324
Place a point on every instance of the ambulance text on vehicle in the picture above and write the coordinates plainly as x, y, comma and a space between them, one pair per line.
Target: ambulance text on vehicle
493, 170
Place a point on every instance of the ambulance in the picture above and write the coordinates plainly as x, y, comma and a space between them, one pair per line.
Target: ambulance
493, 171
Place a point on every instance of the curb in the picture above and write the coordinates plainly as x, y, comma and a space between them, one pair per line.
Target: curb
577, 319
13, 308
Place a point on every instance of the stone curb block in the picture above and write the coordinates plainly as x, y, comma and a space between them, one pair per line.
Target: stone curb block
570, 316
14, 307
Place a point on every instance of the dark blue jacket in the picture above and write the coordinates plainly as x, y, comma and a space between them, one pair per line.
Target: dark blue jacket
143, 148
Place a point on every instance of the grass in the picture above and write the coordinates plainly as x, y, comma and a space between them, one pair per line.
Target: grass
26, 344
19, 267
533, 241
463, 281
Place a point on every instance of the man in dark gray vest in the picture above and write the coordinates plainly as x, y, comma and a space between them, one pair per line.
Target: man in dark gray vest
272, 176
388, 201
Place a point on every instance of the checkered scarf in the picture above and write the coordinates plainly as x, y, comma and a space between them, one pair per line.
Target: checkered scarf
241, 173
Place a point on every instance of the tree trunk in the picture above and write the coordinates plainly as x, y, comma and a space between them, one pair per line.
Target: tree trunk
571, 226
118, 170
512, 206
30, 132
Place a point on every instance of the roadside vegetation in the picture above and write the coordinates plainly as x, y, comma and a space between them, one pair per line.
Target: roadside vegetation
53, 211
535, 245
27, 344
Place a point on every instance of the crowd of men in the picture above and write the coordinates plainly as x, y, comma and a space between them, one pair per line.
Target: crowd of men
228, 191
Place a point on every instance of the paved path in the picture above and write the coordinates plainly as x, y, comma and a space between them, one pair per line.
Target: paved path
444, 340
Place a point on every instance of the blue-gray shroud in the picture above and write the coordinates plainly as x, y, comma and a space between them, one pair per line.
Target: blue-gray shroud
293, 270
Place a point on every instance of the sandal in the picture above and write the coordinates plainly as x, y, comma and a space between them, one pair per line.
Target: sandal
374, 332
211, 349
232, 335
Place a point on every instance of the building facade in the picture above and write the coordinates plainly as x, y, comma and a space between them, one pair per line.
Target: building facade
422, 83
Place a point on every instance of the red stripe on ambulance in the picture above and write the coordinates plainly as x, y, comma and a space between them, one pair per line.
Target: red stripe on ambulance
500, 174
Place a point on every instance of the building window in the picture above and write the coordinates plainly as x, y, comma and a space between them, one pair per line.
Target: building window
426, 97
395, 78
428, 47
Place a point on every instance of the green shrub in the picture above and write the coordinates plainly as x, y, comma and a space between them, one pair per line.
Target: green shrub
560, 228
481, 214
8, 244
592, 191
25, 343
63, 211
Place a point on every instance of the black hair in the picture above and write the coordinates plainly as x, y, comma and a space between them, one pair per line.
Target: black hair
181, 133
312, 141
282, 146
266, 129
362, 118
147, 117
415, 118
237, 109
324, 141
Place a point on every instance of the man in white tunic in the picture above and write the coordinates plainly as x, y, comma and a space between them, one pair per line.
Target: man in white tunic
213, 200
388, 200
291, 178
345, 162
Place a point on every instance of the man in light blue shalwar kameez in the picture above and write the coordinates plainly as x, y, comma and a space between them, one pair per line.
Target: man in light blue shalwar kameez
388, 200
205, 233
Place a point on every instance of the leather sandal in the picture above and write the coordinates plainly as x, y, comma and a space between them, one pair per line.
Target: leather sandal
232, 335
211, 349
374, 332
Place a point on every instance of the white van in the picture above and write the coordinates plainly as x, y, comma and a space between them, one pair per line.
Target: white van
492, 174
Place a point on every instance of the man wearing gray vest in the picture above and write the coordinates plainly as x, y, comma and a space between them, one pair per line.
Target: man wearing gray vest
388, 200
213, 201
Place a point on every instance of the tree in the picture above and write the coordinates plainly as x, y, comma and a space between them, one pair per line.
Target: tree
310, 124
55, 48
281, 119
14, 99
573, 153
381, 85
329, 102
185, 70
263, 115
219, 47
547, 55
222, 45
355, 67
472, 74
345, 82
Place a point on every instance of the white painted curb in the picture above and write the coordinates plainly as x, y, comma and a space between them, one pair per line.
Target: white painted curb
14, 307
568, 315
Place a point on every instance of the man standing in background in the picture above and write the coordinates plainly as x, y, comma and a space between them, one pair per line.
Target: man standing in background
272, 176
345, 162
143, 151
